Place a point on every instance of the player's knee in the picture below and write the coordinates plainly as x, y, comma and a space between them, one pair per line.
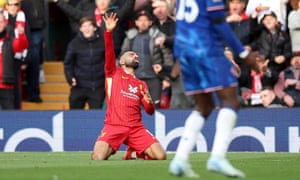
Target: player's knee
98, 156
162, 156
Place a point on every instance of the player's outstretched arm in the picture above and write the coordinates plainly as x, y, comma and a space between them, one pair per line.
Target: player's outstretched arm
110, 21
110, 57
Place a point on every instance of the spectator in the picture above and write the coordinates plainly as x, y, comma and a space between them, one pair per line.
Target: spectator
123, 9
294, 25
288, 86
172, 8
16, 22
35, 12
273, 44
279, 7
167, 25
83, 8
239, 20
269, 99
240, 23
153, 58
164, 23
9, 46
84, 67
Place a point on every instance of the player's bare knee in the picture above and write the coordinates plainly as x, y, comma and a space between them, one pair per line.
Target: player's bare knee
94, 156
98, 156
161, 156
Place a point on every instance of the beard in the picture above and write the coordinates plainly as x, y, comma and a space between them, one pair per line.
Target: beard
133, 64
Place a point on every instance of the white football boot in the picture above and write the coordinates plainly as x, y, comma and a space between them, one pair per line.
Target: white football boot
223, 166
181, 168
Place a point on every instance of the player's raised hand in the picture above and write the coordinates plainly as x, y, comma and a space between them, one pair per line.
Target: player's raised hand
110, 21
147, 97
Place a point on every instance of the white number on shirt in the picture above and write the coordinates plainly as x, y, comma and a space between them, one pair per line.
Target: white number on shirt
188, 10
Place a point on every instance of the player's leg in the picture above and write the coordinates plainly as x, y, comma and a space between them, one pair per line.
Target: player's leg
102, 151
225, 122
156, 152
194, 123
145, 144
109, 141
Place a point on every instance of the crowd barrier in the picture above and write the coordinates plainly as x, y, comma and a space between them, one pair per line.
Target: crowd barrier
259, 130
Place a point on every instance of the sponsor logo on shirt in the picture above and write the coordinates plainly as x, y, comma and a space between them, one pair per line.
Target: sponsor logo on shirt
133, 89
132, 92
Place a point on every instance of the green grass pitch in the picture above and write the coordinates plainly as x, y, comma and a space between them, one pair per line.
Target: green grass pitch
78, 166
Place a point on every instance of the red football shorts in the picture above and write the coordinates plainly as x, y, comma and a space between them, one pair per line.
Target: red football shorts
138, 138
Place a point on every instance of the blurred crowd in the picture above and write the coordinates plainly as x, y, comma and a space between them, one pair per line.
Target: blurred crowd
271, 28
21, 41
147, 27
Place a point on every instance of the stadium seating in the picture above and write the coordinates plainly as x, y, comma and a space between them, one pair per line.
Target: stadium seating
54, 91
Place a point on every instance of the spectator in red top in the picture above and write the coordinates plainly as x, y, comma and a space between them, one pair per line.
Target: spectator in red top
124, 96
8, 47
16, 22
15, 17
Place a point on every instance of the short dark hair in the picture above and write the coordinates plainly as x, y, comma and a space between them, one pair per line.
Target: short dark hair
143, 13
87, 19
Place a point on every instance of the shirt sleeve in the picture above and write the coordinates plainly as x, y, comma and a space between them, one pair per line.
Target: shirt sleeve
110, 57
149, 108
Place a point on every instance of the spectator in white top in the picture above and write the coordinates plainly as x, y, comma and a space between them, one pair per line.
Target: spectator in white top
294, 25
277, 6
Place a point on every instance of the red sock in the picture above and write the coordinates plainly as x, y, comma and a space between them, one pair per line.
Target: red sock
128, 154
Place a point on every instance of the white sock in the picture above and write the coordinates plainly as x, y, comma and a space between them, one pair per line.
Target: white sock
193, 125
224, 124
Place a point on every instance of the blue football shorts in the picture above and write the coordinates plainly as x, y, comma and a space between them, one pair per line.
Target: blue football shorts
203, 74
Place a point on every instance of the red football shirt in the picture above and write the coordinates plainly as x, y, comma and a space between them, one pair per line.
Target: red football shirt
123, 91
